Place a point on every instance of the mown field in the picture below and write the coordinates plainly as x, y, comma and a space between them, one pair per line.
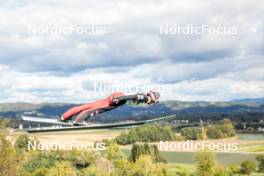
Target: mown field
249, 145
250, 136
189, 157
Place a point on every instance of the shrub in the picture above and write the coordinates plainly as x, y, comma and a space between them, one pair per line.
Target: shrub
93, 171
148, 133
3, 127
191, 133
113, 152
146, 149
144, 166
37, 160
234, 169
107, 142
62, 168
214, 133
222, 129
260, 160
226, 127
205, 163
8, 158
182, 171
247, 167
22, 142
219, 171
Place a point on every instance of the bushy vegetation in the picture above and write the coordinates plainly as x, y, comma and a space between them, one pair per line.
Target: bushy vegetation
205, 163
191, 133
221, 129
8, 158
154, 133
144, 160
14, 162
247, 167
148, 133
146, 149
22, 143
81, 163
260, 160
8, 155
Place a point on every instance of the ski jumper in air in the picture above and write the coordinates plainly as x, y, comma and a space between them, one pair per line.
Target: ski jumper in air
83, 112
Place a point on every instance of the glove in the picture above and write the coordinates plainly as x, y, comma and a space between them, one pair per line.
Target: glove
153, 97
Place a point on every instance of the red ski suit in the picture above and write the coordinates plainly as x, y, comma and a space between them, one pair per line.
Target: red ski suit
90, 109
80, 113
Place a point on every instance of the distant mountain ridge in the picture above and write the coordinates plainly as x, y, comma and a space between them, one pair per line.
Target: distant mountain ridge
250, 100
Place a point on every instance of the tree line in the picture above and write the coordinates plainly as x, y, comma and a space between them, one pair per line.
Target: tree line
148, 133
218, 130
156, 133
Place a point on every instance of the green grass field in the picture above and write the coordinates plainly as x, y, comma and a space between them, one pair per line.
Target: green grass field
248, 137
184, 161
189, 157
174, 168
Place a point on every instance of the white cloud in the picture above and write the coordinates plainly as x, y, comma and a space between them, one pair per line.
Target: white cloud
79, 87
59, 67
132, 32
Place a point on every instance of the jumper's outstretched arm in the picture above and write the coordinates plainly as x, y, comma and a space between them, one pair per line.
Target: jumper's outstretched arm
149, 98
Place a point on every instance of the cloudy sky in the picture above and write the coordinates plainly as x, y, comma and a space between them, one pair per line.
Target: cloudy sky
117, 44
